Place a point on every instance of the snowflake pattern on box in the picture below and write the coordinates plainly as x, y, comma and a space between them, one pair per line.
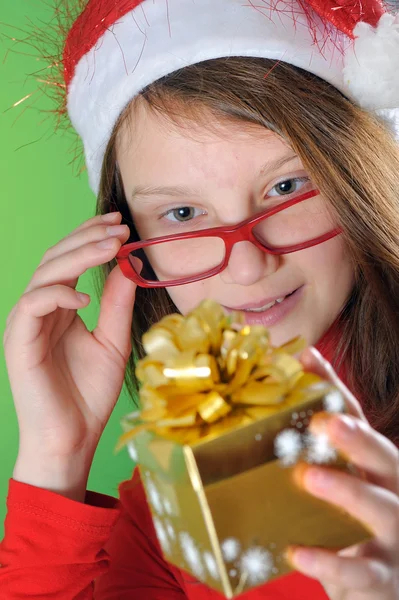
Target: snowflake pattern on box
231, 549
334, 402
290, 444
161, 496
254, 564
154, 496
257, 564
170, 530
161, 535
167, 506
132, 452
211, 565
319, 450
192, 554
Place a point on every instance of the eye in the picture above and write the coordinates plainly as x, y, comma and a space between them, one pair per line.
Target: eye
182, 214
289, 186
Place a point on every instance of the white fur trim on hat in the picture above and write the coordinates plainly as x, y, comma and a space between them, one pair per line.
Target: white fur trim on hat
150, 42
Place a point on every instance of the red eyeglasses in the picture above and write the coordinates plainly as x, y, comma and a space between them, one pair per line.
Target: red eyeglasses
183, 258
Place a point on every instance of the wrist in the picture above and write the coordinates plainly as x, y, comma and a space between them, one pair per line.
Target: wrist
67, 476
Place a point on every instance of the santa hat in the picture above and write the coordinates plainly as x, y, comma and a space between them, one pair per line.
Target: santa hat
116, 48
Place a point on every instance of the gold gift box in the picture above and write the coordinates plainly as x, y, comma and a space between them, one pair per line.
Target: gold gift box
224, 501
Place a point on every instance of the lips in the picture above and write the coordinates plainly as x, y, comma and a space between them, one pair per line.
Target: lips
262, 305
256, 313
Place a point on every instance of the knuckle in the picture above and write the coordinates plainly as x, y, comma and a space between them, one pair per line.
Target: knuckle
28, 300
47, 256
101, 232
25, 302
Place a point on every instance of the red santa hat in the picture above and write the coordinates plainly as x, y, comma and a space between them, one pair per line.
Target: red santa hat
116, 48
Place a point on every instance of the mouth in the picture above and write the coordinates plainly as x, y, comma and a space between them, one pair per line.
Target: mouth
269, 311
262, 305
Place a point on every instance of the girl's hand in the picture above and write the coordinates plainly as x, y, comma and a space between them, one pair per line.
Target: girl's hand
369, 571
65, 380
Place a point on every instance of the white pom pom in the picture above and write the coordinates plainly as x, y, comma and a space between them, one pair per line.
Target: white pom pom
390, 117
371, 70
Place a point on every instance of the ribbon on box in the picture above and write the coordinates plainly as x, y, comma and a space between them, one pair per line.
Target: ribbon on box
208, 372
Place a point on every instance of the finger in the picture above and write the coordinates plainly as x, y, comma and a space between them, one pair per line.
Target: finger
109, 218
367, 449
44, 274
32, 307
116, 312
78, 236
375, 507
348, 573
314, 362
67, 268
76, 239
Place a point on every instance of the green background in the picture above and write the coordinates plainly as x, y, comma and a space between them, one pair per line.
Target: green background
42, 200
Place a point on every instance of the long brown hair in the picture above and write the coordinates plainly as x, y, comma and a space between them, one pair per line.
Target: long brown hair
353, 159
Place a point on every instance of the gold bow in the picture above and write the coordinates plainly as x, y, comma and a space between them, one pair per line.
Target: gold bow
207, 372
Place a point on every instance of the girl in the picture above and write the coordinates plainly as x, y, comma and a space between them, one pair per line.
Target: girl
197, 115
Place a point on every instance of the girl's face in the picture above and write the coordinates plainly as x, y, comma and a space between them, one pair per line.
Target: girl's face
192, 177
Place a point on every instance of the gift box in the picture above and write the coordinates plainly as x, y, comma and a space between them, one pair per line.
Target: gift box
224, 420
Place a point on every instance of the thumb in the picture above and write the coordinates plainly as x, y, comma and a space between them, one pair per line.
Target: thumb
116, 311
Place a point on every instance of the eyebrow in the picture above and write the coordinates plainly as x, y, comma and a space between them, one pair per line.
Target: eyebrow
146, 191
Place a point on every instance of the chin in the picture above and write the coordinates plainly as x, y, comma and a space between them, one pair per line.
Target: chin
282, 334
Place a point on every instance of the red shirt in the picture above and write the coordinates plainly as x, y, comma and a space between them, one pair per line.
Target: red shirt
105, 549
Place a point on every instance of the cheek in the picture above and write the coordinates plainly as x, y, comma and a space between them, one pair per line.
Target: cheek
187, 297
329, 269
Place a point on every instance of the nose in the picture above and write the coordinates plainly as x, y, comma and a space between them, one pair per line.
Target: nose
248, 264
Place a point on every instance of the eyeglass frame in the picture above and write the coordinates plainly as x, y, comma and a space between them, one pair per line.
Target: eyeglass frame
230, 235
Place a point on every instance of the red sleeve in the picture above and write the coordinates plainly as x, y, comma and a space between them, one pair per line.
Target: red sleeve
53, 547
138, 569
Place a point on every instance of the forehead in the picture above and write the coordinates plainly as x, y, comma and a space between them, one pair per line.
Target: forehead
153, 145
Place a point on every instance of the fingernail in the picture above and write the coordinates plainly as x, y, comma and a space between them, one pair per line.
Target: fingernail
317, 354
106, 244
109, 217
317, 479
82, 297
320, 421
302, 558
116, 230
299, 473
344, 428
